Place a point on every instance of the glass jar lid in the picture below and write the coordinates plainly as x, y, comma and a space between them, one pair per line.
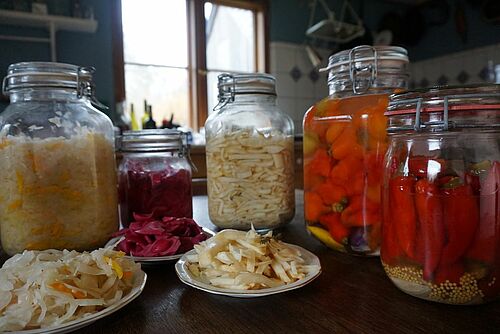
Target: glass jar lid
154, 140
445, 108
230, 85
49, 75
360, 68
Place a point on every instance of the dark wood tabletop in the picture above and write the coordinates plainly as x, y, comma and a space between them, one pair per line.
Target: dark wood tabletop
352, 295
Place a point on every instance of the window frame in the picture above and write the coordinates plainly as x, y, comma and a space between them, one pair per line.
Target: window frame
197, 60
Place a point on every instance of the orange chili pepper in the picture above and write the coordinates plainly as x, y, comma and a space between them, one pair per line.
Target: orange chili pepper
333, 195
334, 131
320, 163
356, 184
313, 206
346, 144
377, 125
338, 231
311, 180
345, 169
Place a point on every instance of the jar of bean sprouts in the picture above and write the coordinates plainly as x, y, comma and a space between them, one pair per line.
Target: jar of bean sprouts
249, 147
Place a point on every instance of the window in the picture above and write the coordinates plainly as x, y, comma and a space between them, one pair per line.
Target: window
174, 50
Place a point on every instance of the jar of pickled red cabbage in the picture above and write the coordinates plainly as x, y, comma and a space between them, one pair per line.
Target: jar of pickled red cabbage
345, 141
57, 162
249, 145
154, 175
441, 197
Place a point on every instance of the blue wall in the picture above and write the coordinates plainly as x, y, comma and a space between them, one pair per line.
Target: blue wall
290, 18
75, 48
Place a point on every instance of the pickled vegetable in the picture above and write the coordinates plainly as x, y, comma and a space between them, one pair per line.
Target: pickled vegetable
156, 193
250, 179
345, 142
57, 192
452, 255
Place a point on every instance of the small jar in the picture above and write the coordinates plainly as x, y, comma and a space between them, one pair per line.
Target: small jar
58, 176
345, 141
154, 175
249, 147
441, 196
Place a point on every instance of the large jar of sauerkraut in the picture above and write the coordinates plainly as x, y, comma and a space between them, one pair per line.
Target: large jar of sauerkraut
58, 186
250, 170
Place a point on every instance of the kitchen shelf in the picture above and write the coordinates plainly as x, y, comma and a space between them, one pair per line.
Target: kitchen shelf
51, 22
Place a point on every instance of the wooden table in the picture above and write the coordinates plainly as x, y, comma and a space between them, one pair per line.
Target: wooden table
352, 295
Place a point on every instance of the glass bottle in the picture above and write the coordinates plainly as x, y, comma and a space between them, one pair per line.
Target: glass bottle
58, 179
150, 123
345, 141
441, 194
154, 175
249, 147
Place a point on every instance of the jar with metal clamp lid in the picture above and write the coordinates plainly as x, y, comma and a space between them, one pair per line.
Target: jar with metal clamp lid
441, 195
345, 141
58, 180
249, 147
154, 175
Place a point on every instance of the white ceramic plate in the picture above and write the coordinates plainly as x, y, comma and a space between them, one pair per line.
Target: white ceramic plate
188, 278
80, 323
155, 260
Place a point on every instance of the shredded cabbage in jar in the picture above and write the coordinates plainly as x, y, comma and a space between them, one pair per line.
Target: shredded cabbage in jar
250, 179
40, 289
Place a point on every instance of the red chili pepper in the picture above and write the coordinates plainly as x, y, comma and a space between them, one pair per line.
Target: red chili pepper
404, 217
451, 273
390, 250
474, 181
419, 166
487, 236
461, 218
338, 231
431, 228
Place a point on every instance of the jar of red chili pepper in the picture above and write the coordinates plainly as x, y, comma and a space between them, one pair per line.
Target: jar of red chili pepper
441, 201
345, 140
154, 175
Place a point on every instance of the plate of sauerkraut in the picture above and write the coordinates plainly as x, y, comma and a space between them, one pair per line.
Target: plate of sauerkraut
55, 291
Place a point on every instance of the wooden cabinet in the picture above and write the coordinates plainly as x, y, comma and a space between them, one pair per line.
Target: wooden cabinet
200, 174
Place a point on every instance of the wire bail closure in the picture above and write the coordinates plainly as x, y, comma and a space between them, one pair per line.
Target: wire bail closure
226, 95
84, 87
438, 125
355, 71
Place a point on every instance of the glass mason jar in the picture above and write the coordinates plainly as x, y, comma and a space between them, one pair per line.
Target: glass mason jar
345, 141
154, 175
441, 200
58, 176
249, 147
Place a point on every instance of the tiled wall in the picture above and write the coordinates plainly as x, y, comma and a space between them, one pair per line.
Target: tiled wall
459, 68
299, 85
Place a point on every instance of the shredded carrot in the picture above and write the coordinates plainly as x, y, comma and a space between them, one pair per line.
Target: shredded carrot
63, 288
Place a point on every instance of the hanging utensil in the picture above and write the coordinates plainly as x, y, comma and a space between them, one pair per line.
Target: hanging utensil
333, 29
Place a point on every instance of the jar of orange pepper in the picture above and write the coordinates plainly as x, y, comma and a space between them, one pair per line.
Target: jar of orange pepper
441, 194
345, 141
